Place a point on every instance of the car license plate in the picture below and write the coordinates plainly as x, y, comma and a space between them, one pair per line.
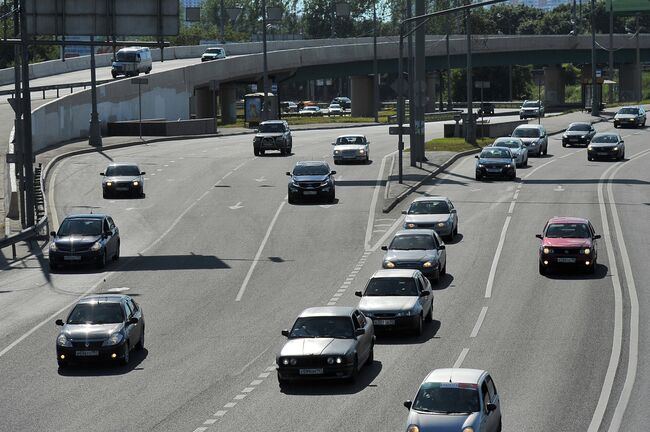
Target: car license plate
566, 260
494, 170
71, 258
602, 153
309, 192
123, 188
381, 322
86, 353
318, 371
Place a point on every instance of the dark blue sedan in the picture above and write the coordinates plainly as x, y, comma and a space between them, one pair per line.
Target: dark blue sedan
496, 162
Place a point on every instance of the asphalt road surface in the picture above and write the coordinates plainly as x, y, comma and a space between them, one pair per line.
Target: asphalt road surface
220, 263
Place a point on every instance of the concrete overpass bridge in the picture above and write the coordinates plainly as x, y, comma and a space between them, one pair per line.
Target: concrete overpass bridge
175, 94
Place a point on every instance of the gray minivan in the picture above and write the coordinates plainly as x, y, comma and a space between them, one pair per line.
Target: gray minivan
131, 61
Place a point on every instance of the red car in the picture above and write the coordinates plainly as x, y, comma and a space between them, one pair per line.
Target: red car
570, 242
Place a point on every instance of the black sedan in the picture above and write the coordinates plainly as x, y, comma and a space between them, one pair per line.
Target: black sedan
606, 145
100, 327
578, 133
326, 342
123, 178
495, 162
85, 238
311, 179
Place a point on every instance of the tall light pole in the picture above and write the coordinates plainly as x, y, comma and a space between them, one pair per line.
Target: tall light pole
595, 108
470, 135
265, 75
222, 21
375, 68
639, 84
610, 97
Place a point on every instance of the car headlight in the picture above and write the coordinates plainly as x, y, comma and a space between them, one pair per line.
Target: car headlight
508, 166
113, 339
405, 313
389, 264
325, 183
441, 224
585, 251
547, 250
333, 360
615, 148
583, 136
565, 136
53, 247
337, 152
468, 429
590, 148
410, 225
362, 151
96, 246
427, 264
109, 184
63, 340
413, 428
481, 165
136, 183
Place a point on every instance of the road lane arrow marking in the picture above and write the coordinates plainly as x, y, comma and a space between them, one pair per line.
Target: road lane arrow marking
236, 206
261, 179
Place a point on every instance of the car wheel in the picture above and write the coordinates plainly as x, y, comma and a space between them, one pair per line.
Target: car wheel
291, 199
289, 152
371, 355
355, 371
589, 158
256, 152
592, 268
116, 257
140, 344
336, 162
104, 195
101, 260
622, 157
479, 177
53, 266
367, 159
126, 357
262, 152
499, 427
331, 197
443, 270
419, 327
456, 231
542, 269
563, 144
283, 151
526, 162
114, 75
429, 316
281, 382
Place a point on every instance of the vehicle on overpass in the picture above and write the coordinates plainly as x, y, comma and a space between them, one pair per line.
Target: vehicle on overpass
486, 108
516, 147
534, 137
568, 242
351, 148
132, 61
397, 300
311, 111
213, 53
273, 135
630, 116
311, 179
334, 109
578, 133
100, 327
85, 238
122, 178
495, 162
436, 213
606, 145
331, 342
344, 101
419, 249
531, 109
455, 399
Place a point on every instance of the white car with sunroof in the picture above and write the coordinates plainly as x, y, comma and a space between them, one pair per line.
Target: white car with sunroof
351, 148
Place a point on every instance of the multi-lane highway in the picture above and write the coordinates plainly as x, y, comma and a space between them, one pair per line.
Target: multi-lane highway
220, 263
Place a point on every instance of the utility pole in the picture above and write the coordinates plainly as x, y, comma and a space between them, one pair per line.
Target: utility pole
638, 84
420, 83
18, 123
449, 102
27, 123
595, 108
470, 135
265, 79
222, 21
375, 68
610, 97
95, 138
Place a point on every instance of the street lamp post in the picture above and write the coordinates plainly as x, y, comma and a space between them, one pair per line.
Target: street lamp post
595, 108
639, 84
265, 75
375, 68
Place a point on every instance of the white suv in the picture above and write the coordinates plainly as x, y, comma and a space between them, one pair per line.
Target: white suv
532, 109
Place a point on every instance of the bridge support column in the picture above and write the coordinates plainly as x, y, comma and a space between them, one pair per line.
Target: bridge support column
227, 99
361, 93
627, 87
554, 86
432, 80
203, 98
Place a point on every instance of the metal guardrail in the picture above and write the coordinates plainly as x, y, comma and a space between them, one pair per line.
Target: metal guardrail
57, 87
32, 232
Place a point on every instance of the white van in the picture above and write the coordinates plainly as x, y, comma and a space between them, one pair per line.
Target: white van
131, 61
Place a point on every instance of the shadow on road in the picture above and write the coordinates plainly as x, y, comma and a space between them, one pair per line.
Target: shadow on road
573, 274
404, 337
333, 387
105, 368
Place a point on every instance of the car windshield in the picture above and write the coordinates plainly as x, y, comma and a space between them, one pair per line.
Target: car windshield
122, 170
311, 108
335, 106
495, 153
607, 139
526, 133
531, 104
325, 327
271, 128
351, 140
311, 170
507, 144
126, 56
96, 313
81, 227
447, 398
579, 127
213, 51
412, 242
404, 286
429, 207
567, 230
634, 111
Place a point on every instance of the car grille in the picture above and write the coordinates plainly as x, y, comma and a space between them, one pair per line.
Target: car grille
384, 315
408, 265
67, 247
315, 360
426, 225
349, 153
91, 344
568, 251
309, 185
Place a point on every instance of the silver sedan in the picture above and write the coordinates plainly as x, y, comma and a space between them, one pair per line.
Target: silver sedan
517, 148
436, 213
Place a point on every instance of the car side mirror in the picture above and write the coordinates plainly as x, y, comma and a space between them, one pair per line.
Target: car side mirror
59, 322
101, 174
404, 212
333, 143
442, 247
491, 407
360, 332
332, 172
285, 333
597, 236
453, 210
142, 173
539, 236
133, 320
358, 293
622, 142
288, 173
476, 156
408, 404
384, 248
104, 234
53, 233
424, 294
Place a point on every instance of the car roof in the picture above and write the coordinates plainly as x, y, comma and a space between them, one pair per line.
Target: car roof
273, 122
351, 135
567, 219
504, 139
431, 198
133, 49
86, 216
529, 126
599, 134
629, 106
311, 163
325, 311
455, 375
407, 232
579, 123
394, 273
113, 164
104, 298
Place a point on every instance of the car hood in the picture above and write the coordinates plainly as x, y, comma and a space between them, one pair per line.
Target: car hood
566, 242
350, 147
77, 239
603, 145
528, 141
410, 255
426, 218
314, 178
430, 422
494, 161
317, 346
90, 331
626, 116
387, 303
268, 135
122, 179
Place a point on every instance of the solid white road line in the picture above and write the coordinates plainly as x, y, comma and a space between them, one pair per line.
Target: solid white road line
461, 358
495, 260
479, 322
373, 203
240, 294
50, 198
